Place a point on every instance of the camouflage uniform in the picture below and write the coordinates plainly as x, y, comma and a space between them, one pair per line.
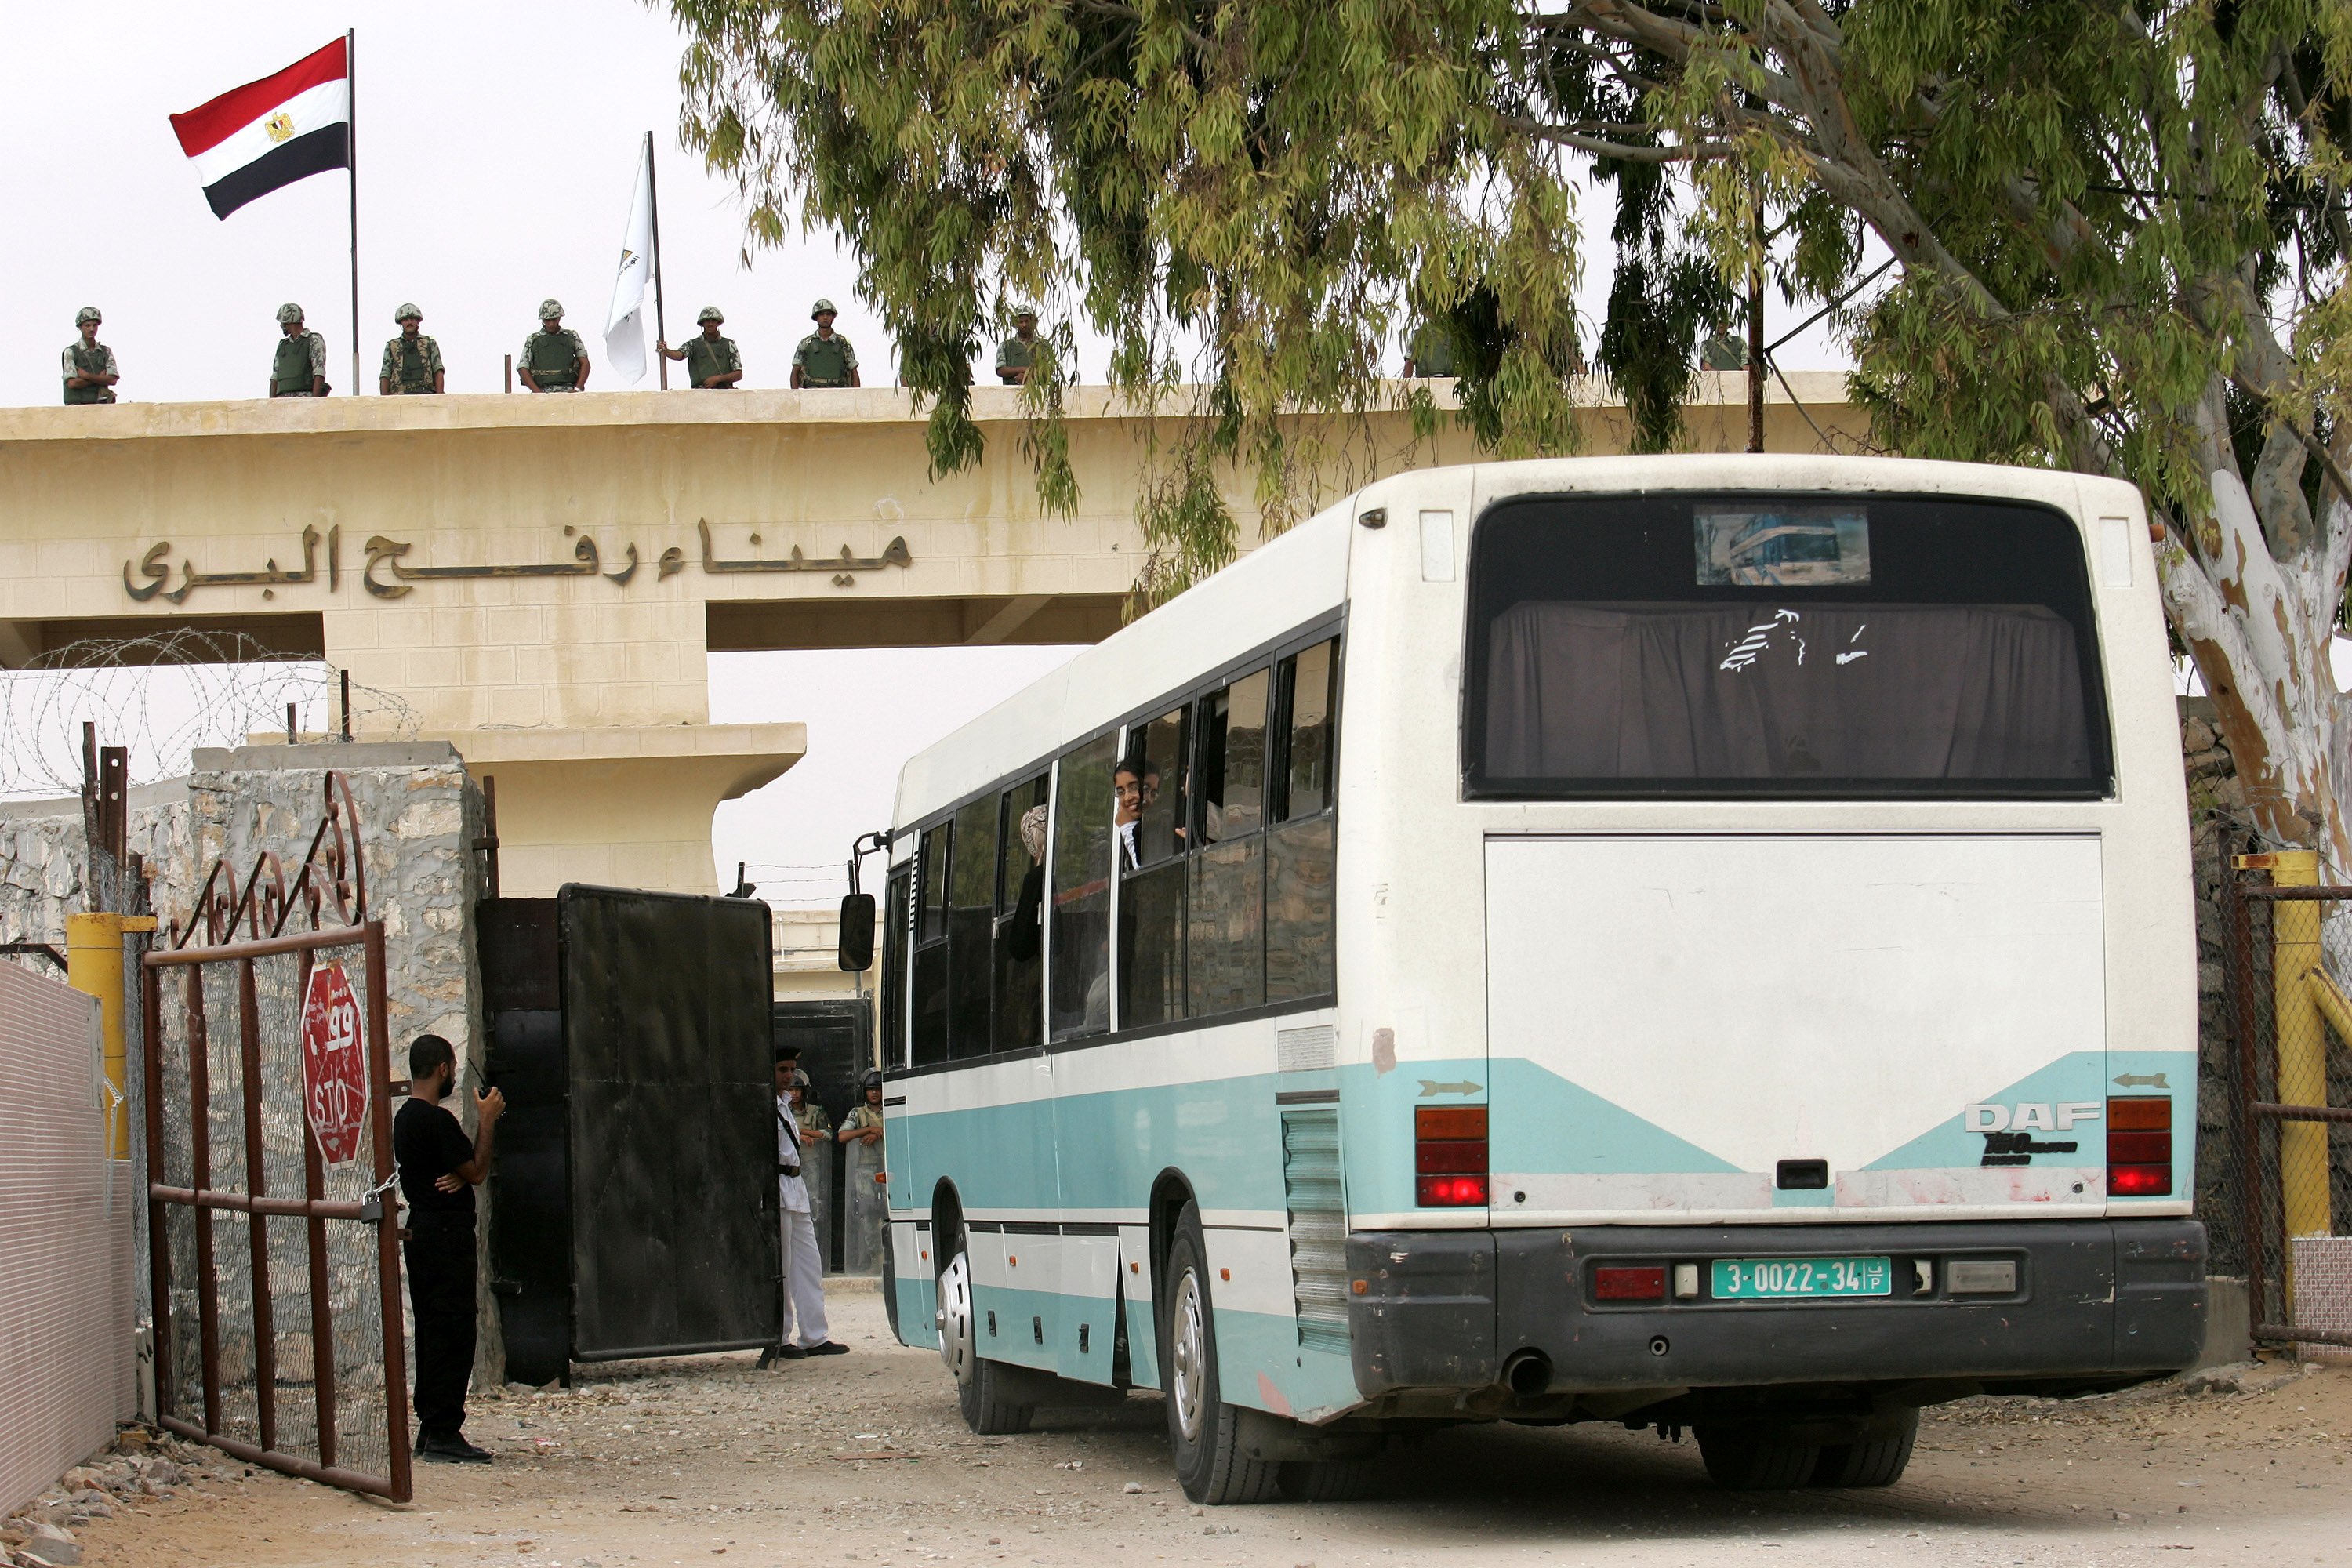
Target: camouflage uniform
866, 1205
86, 359
1432, 353
822, 361
1015, 353
300, 361
553, 357
411, 368
707, 357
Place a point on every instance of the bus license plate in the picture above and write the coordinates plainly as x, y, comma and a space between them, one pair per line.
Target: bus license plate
1755, 1278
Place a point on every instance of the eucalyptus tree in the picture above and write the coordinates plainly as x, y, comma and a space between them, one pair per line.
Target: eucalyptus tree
2117, 238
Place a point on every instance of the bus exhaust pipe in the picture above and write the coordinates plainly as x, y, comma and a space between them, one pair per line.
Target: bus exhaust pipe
1528, 1372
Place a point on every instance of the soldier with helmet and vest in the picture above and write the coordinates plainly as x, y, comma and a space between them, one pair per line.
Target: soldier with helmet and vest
553, 358
299, 369
824, 357
412, 361
90, 369
712, 361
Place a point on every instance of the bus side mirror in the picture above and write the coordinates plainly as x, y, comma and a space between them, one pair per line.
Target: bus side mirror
857, 932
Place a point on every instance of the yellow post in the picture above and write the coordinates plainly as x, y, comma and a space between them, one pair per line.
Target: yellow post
2301, 1046
94, 967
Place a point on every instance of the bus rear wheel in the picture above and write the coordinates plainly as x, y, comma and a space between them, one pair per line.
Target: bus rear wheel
1756, 1459
1877, 1461
1203, 1431
978, 1392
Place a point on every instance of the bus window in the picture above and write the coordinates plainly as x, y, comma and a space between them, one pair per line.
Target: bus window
1020, 921
1306, 729
1299, 860
1739, 646
1225, 918
929, 1005
1151, 827
1079, 876
1233, 759
971, 910
896, 914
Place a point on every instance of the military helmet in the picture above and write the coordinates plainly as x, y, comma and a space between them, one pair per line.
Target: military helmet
288, 312
1024, 309
871, 1080
550, 310
710, 313
406, 312
823, 308
86, 313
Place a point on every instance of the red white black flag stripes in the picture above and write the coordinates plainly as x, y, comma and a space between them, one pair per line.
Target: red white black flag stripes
286, 127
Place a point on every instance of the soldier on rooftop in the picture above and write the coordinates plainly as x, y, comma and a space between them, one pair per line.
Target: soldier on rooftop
299, 367
824, 357
712, 361
553, 358
1017, 355
88, 365
412, 361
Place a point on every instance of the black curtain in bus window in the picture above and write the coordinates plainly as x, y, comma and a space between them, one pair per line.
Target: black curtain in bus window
898, 917
972, 911
1020, 920
1078, 905
931, 989
1748, 644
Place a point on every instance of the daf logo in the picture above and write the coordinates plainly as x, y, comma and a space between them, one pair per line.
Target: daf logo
2028, 1117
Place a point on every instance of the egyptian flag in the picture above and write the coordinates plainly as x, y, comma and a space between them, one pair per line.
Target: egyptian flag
253, 139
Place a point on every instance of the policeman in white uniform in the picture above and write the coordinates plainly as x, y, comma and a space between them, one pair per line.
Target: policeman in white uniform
805, 1333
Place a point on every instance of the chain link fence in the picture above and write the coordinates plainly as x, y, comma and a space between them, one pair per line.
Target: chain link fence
2282, 1212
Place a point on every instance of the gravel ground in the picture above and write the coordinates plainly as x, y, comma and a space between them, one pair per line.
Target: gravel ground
862, 1459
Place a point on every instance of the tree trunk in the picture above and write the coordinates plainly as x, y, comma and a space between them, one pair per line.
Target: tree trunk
2259, 629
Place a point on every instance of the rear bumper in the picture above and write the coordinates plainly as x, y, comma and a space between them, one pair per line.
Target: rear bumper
2097, 1304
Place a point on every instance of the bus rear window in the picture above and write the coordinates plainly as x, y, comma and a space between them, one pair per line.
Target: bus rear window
1776, 645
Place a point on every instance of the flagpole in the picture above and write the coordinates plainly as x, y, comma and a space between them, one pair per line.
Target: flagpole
351, 161
661, 295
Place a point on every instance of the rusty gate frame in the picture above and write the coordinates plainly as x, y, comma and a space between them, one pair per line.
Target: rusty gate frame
332, 876
2249, 1110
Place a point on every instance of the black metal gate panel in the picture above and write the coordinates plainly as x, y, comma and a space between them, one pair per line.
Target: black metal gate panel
672, 1122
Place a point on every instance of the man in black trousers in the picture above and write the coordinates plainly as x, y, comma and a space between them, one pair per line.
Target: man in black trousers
439, 1169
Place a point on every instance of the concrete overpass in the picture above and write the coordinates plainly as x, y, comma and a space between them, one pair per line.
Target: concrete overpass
541, 578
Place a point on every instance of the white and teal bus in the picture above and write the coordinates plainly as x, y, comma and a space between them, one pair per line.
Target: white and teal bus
1497, 952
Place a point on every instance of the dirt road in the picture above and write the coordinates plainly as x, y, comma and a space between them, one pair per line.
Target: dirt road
862, 1459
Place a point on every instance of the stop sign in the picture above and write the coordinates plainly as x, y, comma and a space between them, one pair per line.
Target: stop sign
334, 1067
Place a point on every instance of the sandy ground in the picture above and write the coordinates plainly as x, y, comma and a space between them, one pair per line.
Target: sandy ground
863, 1459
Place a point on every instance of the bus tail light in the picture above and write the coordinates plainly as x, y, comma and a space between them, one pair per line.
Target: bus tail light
2139, 1146
1449, 1156
1645, 1282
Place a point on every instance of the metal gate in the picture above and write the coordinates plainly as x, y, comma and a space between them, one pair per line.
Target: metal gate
2285, 1215
282, 1346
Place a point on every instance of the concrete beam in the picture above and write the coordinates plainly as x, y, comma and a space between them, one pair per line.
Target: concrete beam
1016, 614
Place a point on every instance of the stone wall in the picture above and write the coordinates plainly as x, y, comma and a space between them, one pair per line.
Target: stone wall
419, 814
2219, 825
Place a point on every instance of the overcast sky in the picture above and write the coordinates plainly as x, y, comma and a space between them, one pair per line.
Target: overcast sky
497, 148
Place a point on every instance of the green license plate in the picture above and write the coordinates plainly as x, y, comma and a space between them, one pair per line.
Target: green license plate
1756, 1279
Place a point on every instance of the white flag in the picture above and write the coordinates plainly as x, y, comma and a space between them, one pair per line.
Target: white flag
624, 328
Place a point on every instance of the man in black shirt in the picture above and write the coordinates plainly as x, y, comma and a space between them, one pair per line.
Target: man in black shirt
439, 1169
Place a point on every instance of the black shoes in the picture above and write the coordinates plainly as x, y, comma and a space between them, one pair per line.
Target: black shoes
830, 1347
451, 1451
775, 1353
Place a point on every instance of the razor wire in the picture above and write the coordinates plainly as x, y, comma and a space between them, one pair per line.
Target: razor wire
162, 697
